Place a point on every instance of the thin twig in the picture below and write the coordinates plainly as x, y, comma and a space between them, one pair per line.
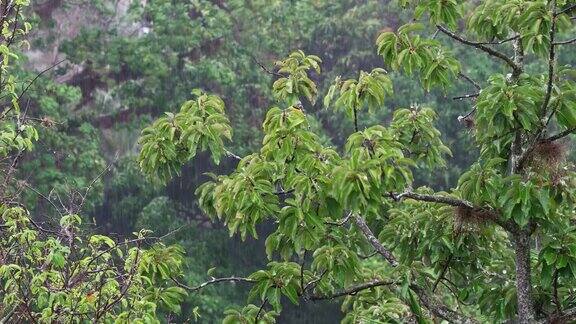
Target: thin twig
210, 282
38, 76
260, 310
136, 240
367, 256
355, 119
555, 292
499, 42
99, 176
469, 79
41, 195
468, 96
312, 284
463, 118
265, 69
4, 113
443, 272
341, 222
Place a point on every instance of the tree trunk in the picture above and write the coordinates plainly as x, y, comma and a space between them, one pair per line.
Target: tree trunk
523, 284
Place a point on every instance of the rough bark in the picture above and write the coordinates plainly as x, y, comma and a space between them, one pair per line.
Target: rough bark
374, 241
523, 283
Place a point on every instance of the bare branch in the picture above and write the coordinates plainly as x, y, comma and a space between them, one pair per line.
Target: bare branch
564, 42
433, 198
260, 310
284, 192
555, 292
565, 11
92, 183
560, 135
232, 155
381, 249
136, 240
492, 215
462, 119
129, 282
443, 272
470, 80
41, 195
468, 96
500, 42
480, 46
354, 289
210, 282
265, 69
368, 256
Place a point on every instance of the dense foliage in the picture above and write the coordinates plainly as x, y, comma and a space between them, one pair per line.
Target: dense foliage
58, 273
507, 229
427, 176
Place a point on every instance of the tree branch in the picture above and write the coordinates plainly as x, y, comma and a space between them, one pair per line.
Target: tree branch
566, 316
260, 310
480, 46
492, 215
210, 282
549, 86
560, 135
355, 119
381, 249
499, 42
443, 272
354, 289
313, 283
41, 195
232, 155
433, 198
265, 69
341, 222
551, 63
438, 309
565, 11
564, 42
470, 80
468, 96
4, 113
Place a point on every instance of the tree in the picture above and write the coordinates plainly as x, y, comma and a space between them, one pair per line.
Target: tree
59, 273
501, 245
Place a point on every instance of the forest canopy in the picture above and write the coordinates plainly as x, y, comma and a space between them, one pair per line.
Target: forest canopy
288, 161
